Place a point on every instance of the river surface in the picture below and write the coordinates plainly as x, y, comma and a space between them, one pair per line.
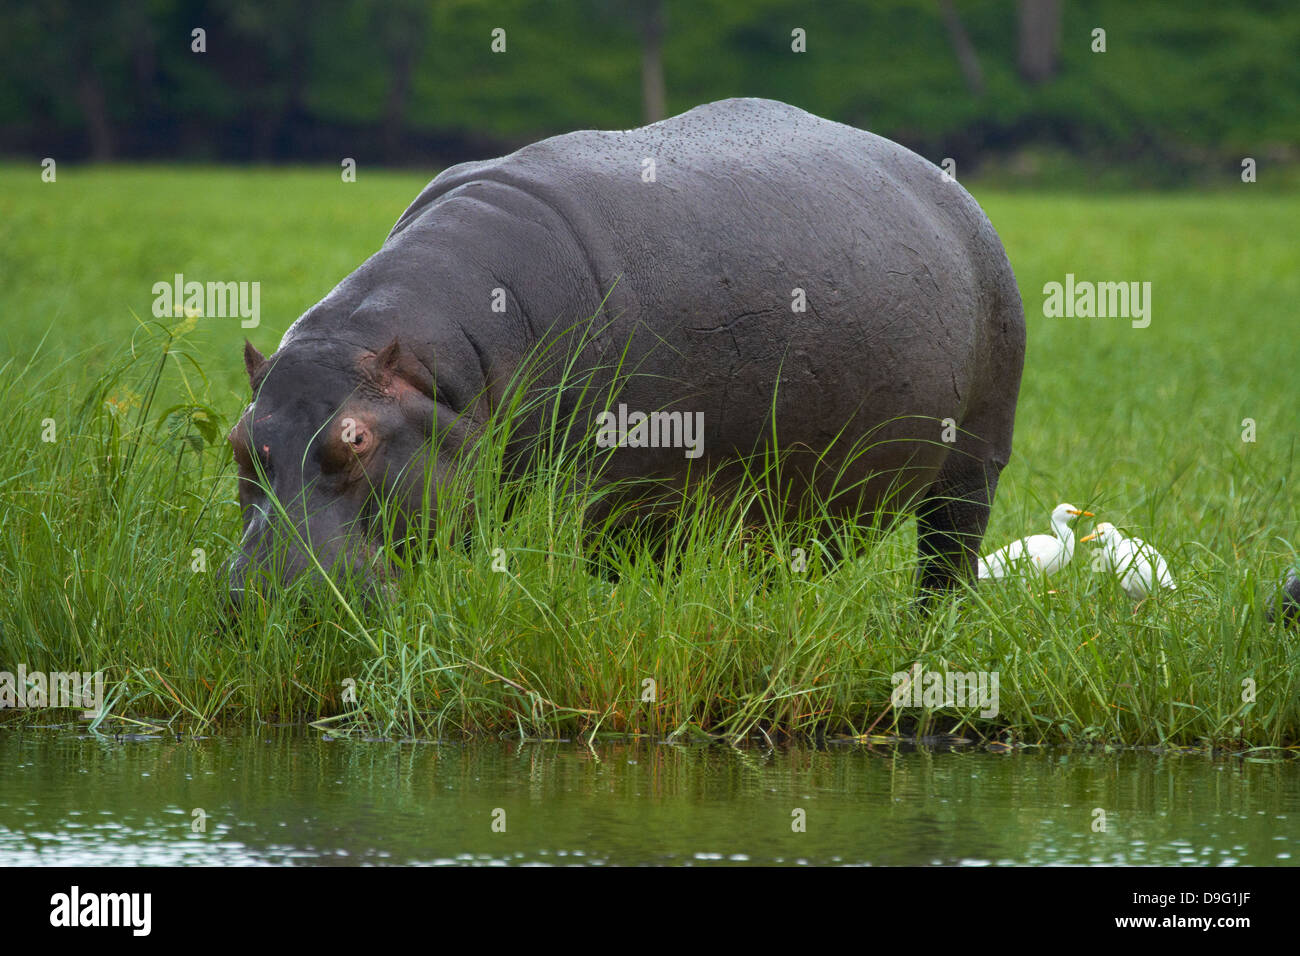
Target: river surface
293, 796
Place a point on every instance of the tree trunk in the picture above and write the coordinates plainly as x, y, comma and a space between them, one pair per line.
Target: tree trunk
653, 95
90, 97
963, 48
403, 29
1040, 39
393, 122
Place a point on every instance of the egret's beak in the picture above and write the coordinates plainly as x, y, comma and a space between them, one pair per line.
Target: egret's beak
1088, 538
1075, 511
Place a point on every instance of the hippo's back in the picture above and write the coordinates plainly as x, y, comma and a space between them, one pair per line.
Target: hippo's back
747, 242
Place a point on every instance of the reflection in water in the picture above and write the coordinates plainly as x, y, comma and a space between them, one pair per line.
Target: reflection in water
294, 797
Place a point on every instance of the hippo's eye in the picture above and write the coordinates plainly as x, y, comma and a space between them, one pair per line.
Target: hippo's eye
355, 435
244, 449
242, 459
348, 441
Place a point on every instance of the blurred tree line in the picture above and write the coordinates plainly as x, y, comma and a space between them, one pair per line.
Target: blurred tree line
418, 81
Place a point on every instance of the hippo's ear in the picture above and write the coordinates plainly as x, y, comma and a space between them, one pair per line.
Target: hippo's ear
393, 367
388, 359
254, 362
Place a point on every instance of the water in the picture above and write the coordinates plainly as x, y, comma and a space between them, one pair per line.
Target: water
291, 796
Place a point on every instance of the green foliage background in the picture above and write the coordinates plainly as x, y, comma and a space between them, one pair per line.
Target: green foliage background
1182, 84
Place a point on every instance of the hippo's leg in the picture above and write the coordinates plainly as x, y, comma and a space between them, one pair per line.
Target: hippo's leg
951, 520
954, 513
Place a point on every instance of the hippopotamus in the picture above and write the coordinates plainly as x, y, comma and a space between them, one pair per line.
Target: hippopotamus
781, 280
1284, 605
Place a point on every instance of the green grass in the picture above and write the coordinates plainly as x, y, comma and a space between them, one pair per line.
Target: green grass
1143, 426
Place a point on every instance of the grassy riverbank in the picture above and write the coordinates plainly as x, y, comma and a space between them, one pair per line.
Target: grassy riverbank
98, 528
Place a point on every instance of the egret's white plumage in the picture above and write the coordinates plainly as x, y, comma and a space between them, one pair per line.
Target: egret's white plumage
1041, 553
1138, 566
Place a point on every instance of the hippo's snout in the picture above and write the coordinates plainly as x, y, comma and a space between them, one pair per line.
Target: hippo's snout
259, 569
324, 445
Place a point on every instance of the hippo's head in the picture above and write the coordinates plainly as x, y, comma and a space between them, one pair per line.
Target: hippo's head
331, 432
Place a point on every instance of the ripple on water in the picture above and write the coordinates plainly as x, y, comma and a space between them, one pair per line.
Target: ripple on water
291, 799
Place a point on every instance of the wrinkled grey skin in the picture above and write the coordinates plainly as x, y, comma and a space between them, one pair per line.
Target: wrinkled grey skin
1284, 606
913, 316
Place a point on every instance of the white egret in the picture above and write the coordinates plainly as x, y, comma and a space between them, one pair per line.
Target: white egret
1044, 553
1139, 567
